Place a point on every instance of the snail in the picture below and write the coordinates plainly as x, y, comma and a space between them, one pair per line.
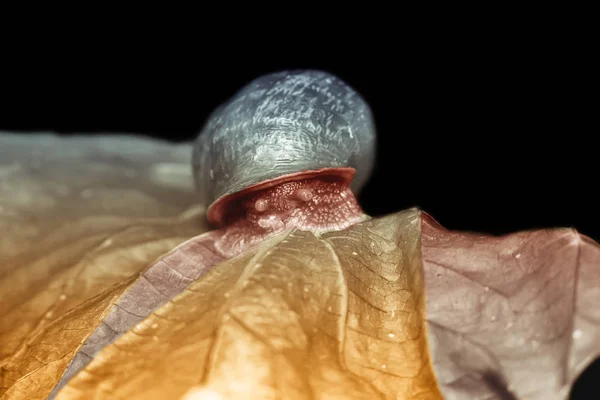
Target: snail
291, 149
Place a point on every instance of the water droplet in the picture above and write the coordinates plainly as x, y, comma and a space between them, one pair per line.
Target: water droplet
487, 288
329, 309
226, 294
264, 223
354, 253
494, 318
383, 366
306, 289
304, 194
391, 335
518, 255
261, 205
155, 338
577, 334
212, 174
49, 314
62, 297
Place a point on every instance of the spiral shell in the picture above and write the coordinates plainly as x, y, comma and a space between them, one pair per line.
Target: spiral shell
283, 125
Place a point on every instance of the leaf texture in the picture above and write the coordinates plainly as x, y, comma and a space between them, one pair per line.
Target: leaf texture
155, 286
340, 315
81, 218
511, 317
109, 289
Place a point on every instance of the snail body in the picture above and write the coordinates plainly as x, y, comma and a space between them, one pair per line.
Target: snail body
290, 149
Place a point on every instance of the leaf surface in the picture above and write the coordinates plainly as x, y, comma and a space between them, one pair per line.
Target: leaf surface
81, 218
338, 315
101, 257
511, 317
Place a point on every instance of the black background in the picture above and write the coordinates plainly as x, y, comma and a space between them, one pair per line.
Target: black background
485, 135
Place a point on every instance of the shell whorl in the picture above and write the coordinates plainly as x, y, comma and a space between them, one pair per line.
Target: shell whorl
282, 124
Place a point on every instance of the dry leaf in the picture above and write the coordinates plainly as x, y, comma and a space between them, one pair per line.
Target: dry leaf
155, 286
81, 218
511, 317
340, 315
301, 316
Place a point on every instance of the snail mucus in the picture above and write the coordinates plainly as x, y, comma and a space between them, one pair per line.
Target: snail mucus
289, 150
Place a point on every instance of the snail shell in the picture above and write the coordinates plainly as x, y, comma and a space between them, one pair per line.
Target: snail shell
283, 126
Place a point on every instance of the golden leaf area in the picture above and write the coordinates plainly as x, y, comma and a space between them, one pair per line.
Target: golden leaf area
85, 220
111, 288
336, 316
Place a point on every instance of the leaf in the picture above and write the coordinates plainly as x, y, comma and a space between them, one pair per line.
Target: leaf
301, 316
155, 286
82, 218
511, 317
97, 241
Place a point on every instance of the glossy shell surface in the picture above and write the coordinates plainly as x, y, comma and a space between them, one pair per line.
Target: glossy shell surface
281, 125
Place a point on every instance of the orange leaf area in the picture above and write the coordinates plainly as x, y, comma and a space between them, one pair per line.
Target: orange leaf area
80, 218
338, 315
56, 302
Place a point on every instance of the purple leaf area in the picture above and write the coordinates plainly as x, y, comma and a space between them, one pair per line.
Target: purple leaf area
161, 282
511, 317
